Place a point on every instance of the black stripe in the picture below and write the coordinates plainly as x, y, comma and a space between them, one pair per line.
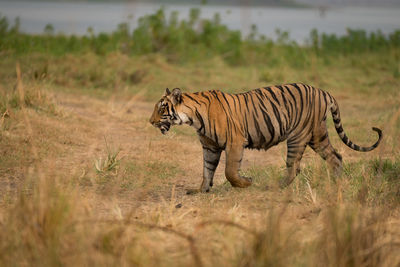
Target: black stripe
278, 118
277, 113
213, 162
291, 114
216, 135
210, 149
337, 155
228, 124
308, 107
210, 169
326, 103
272, 94
306, 90
258, 130
222, 106
311, 109
293, 146
258, 91
285, 102
249, 141
286, 116
267, 119
192, 98
173, 112
301, 105
234, 100
339, 129
240, 102
209, 120
254, 106
319, 103
322, 138
325, 147
246, 101
207, 106
227, 103
279, 87
189, 107
201, 121
246, 125
205, 96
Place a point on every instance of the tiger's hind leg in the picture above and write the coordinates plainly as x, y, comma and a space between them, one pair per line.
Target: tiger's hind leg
320, 144
295, 150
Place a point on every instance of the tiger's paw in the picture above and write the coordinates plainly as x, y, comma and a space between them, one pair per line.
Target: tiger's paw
247, 181
285, 182
193, 191
242, 182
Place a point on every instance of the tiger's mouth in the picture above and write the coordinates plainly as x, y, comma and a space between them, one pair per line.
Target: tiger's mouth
163, 126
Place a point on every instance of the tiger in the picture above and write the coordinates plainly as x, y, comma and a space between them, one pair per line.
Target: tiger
256, 119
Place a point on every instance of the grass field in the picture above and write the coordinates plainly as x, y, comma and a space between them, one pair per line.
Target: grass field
86, 180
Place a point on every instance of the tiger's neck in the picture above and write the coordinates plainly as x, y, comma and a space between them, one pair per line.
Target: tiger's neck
190, 112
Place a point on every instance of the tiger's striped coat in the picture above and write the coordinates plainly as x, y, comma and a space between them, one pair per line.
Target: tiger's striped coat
257, 119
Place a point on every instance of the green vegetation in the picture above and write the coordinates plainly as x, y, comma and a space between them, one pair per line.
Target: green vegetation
196, 39
109, 163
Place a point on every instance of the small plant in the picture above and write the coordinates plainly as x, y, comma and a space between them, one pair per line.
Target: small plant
109, 163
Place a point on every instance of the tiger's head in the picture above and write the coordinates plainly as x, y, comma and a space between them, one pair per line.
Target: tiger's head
165, 112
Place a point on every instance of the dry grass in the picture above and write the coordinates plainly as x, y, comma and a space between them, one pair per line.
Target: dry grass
59, 208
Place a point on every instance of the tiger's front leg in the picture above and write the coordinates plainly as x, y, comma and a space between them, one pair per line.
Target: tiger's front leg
210, 163
234, 154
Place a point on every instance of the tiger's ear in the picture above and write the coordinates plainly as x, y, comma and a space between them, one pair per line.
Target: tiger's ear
176, 96
167, 92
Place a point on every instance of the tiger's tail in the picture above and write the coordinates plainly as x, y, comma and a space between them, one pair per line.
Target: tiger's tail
339, 129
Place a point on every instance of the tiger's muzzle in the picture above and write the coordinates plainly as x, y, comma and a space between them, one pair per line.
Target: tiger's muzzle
163, 126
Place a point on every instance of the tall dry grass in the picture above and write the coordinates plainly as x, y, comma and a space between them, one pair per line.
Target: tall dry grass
50, 225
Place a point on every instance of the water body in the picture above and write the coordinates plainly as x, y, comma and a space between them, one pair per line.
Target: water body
76, 18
